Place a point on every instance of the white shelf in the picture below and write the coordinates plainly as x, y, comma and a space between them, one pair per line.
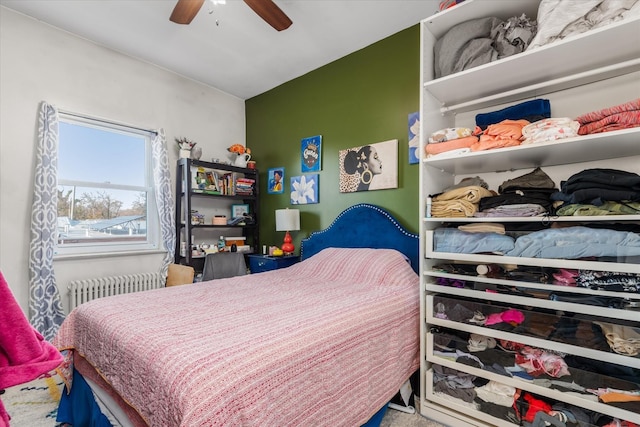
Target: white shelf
531, 285
533, 219
619, 359
558, 71
442, 22
536, 285
461, 408
538, 262
589, 310
547, 87
533, 388
537, 342
541, 65
587, 148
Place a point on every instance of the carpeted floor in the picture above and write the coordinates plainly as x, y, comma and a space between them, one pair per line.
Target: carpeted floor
34, 404
400, 419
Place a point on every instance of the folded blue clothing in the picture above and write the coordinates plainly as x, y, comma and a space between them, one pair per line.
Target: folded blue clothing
456, 241
532, 110
576, 242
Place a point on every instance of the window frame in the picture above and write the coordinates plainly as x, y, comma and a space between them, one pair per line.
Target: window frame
152, 242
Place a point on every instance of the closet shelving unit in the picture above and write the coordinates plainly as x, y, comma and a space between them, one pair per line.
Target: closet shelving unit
583, 73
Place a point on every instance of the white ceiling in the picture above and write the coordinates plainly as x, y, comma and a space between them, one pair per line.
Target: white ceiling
232, 48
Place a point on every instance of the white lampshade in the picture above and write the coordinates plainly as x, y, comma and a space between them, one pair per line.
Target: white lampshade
287, 219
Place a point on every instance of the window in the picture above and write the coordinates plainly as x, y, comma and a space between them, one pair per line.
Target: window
106, 200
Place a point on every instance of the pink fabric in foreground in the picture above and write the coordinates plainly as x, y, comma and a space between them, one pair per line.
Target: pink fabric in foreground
325, 342
24, 353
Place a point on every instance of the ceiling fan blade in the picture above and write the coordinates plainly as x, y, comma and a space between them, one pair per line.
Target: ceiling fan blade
185, 11
271, 13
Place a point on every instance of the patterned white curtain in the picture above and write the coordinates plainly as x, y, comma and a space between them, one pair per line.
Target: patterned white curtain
164, 199
45, 310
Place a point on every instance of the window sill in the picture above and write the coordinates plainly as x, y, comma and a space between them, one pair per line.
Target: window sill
65, 257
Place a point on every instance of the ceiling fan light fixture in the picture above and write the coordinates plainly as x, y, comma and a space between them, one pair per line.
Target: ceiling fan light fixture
271, 13
185, 11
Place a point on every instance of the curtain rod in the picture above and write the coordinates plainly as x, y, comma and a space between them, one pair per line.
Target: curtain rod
103, 120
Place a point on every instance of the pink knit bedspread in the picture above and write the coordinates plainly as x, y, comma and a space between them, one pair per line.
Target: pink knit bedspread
325, 342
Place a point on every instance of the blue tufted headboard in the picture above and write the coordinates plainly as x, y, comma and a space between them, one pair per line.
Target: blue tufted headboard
363, 226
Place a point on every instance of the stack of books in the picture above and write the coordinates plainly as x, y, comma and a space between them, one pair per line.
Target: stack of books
244, 186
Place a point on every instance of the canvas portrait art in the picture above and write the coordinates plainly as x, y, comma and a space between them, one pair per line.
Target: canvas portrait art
311, 154
275, 183
369, 167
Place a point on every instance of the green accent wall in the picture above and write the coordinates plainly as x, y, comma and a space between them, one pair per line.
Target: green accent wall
360, 99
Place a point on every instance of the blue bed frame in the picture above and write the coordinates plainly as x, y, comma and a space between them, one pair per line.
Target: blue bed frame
363, 226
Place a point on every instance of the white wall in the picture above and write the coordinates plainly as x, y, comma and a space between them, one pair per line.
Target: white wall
41, 63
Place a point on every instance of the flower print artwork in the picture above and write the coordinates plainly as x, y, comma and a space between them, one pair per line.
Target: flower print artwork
304, 189
414, 138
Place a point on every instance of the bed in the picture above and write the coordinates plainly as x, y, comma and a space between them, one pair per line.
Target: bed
325, 342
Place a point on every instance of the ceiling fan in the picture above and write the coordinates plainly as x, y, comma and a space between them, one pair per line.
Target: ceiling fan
186, 10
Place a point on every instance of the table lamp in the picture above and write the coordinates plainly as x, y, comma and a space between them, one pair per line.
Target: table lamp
287, 220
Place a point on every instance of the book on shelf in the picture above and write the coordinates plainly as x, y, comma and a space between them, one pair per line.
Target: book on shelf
226, 182
244, 186
205, 181
212, 180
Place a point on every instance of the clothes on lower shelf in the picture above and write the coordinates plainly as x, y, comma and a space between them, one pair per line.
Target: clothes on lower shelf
622, 339
555, 243
514, 360
617, 336
512, 404
592, 279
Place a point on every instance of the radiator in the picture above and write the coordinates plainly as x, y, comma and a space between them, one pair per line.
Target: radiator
81, 291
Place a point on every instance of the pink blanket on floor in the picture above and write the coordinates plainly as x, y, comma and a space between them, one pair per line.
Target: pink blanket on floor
326, 342
24, 353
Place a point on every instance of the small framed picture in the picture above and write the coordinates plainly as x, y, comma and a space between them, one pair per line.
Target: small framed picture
304, 189
239, 210
311, 154
414, 138
275, 184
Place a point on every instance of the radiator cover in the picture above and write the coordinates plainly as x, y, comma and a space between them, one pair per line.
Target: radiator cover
81, 291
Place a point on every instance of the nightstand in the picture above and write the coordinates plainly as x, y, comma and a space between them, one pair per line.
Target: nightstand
261, 263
